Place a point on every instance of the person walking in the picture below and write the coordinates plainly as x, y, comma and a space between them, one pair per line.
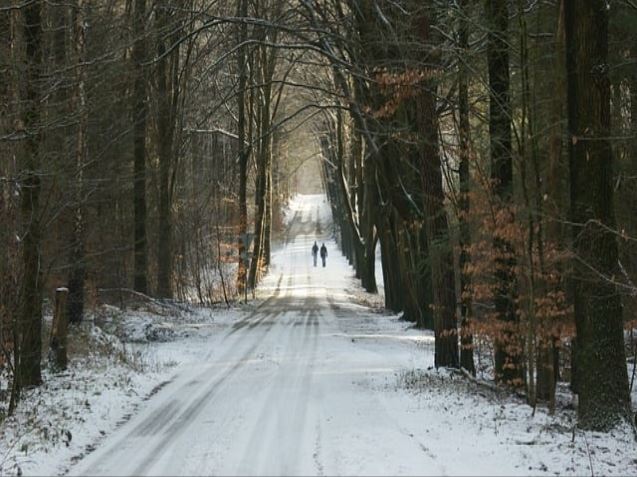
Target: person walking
323, 253
315, 250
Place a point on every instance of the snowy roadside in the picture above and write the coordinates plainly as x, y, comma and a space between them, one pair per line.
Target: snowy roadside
118, 360
471, 427
364, 400
480, 431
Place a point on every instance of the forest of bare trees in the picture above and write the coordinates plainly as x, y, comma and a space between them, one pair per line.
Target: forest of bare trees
487, 148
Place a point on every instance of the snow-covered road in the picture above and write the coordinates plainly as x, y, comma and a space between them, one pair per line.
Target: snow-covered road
311, 382
283, 391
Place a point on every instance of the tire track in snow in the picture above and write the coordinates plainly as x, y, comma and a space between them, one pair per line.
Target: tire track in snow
168, 420
259, 309
180, 424
281, 420
270, 310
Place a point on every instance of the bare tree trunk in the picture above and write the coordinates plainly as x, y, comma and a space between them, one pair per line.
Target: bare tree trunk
30, 320
242, 233
58, 342
464, 130
140, 112
167, 88
77, 273
259, 223
602, 377
368, 218
436, 223
389, 252
548, 357
508, 368
266, 63
11, 301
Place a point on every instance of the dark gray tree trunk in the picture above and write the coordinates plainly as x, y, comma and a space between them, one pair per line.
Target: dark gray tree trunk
28, 372
464, 130
242, 250
77, 274
436, 223
391, 273
167, 91
508, 367
140, 112
368, 210
548, 357
601, 361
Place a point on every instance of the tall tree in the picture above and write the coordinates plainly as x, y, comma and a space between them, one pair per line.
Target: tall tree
264, 65
30, 320
244, 151
168, 99
140, 113
507, 365
464, 130
602, 376
77, 273
436, 222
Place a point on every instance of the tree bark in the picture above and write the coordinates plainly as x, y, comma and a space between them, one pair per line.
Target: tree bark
266, 67
602, 377
140, 112
436, 223
508, 368
464, 130
548, 356
390, 265
59, 330
167, 92
77, 274
30, 321
242, 232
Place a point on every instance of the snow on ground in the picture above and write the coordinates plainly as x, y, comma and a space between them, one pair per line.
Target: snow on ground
305, 380
118, 360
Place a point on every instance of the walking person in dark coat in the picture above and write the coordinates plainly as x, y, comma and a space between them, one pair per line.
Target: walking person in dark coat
315, 250
323, 253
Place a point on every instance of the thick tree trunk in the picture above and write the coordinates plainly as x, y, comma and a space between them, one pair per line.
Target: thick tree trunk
548, 356
390, 265
602, 377
508, 367
77, 274
415, 273
140, 112
30, 319
165, 129
264, 156
436, 224
464, 129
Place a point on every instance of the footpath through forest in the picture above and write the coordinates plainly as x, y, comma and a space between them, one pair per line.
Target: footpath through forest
312, 380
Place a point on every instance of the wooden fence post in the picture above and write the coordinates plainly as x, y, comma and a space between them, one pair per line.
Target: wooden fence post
57, 347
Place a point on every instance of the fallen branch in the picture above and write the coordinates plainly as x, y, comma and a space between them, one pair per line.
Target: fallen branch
487, 384
154, 301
